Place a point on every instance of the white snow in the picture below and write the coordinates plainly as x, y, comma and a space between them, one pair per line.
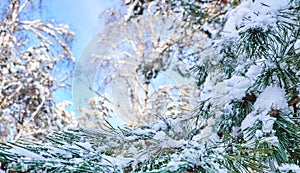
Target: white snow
167, 142
76, 160
267, 123
260, 13
86, 145
206, 92
120, 162
132, 150
272, 97
214, 91
33, 65
297, 46
249, 120
160, 135
23, 152
290, 167
271, 140
253, 72
159, 125
62, 152
236, 87
174, 166
171, 143
258, 133
143, 131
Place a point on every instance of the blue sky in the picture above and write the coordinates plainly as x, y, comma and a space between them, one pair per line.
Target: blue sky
83, 18
81, 15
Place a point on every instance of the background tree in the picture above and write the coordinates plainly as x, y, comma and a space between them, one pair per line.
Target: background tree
138, 70
30, 51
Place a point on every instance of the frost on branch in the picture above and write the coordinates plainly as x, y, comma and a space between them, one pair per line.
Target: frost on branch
29, 52
96, 114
